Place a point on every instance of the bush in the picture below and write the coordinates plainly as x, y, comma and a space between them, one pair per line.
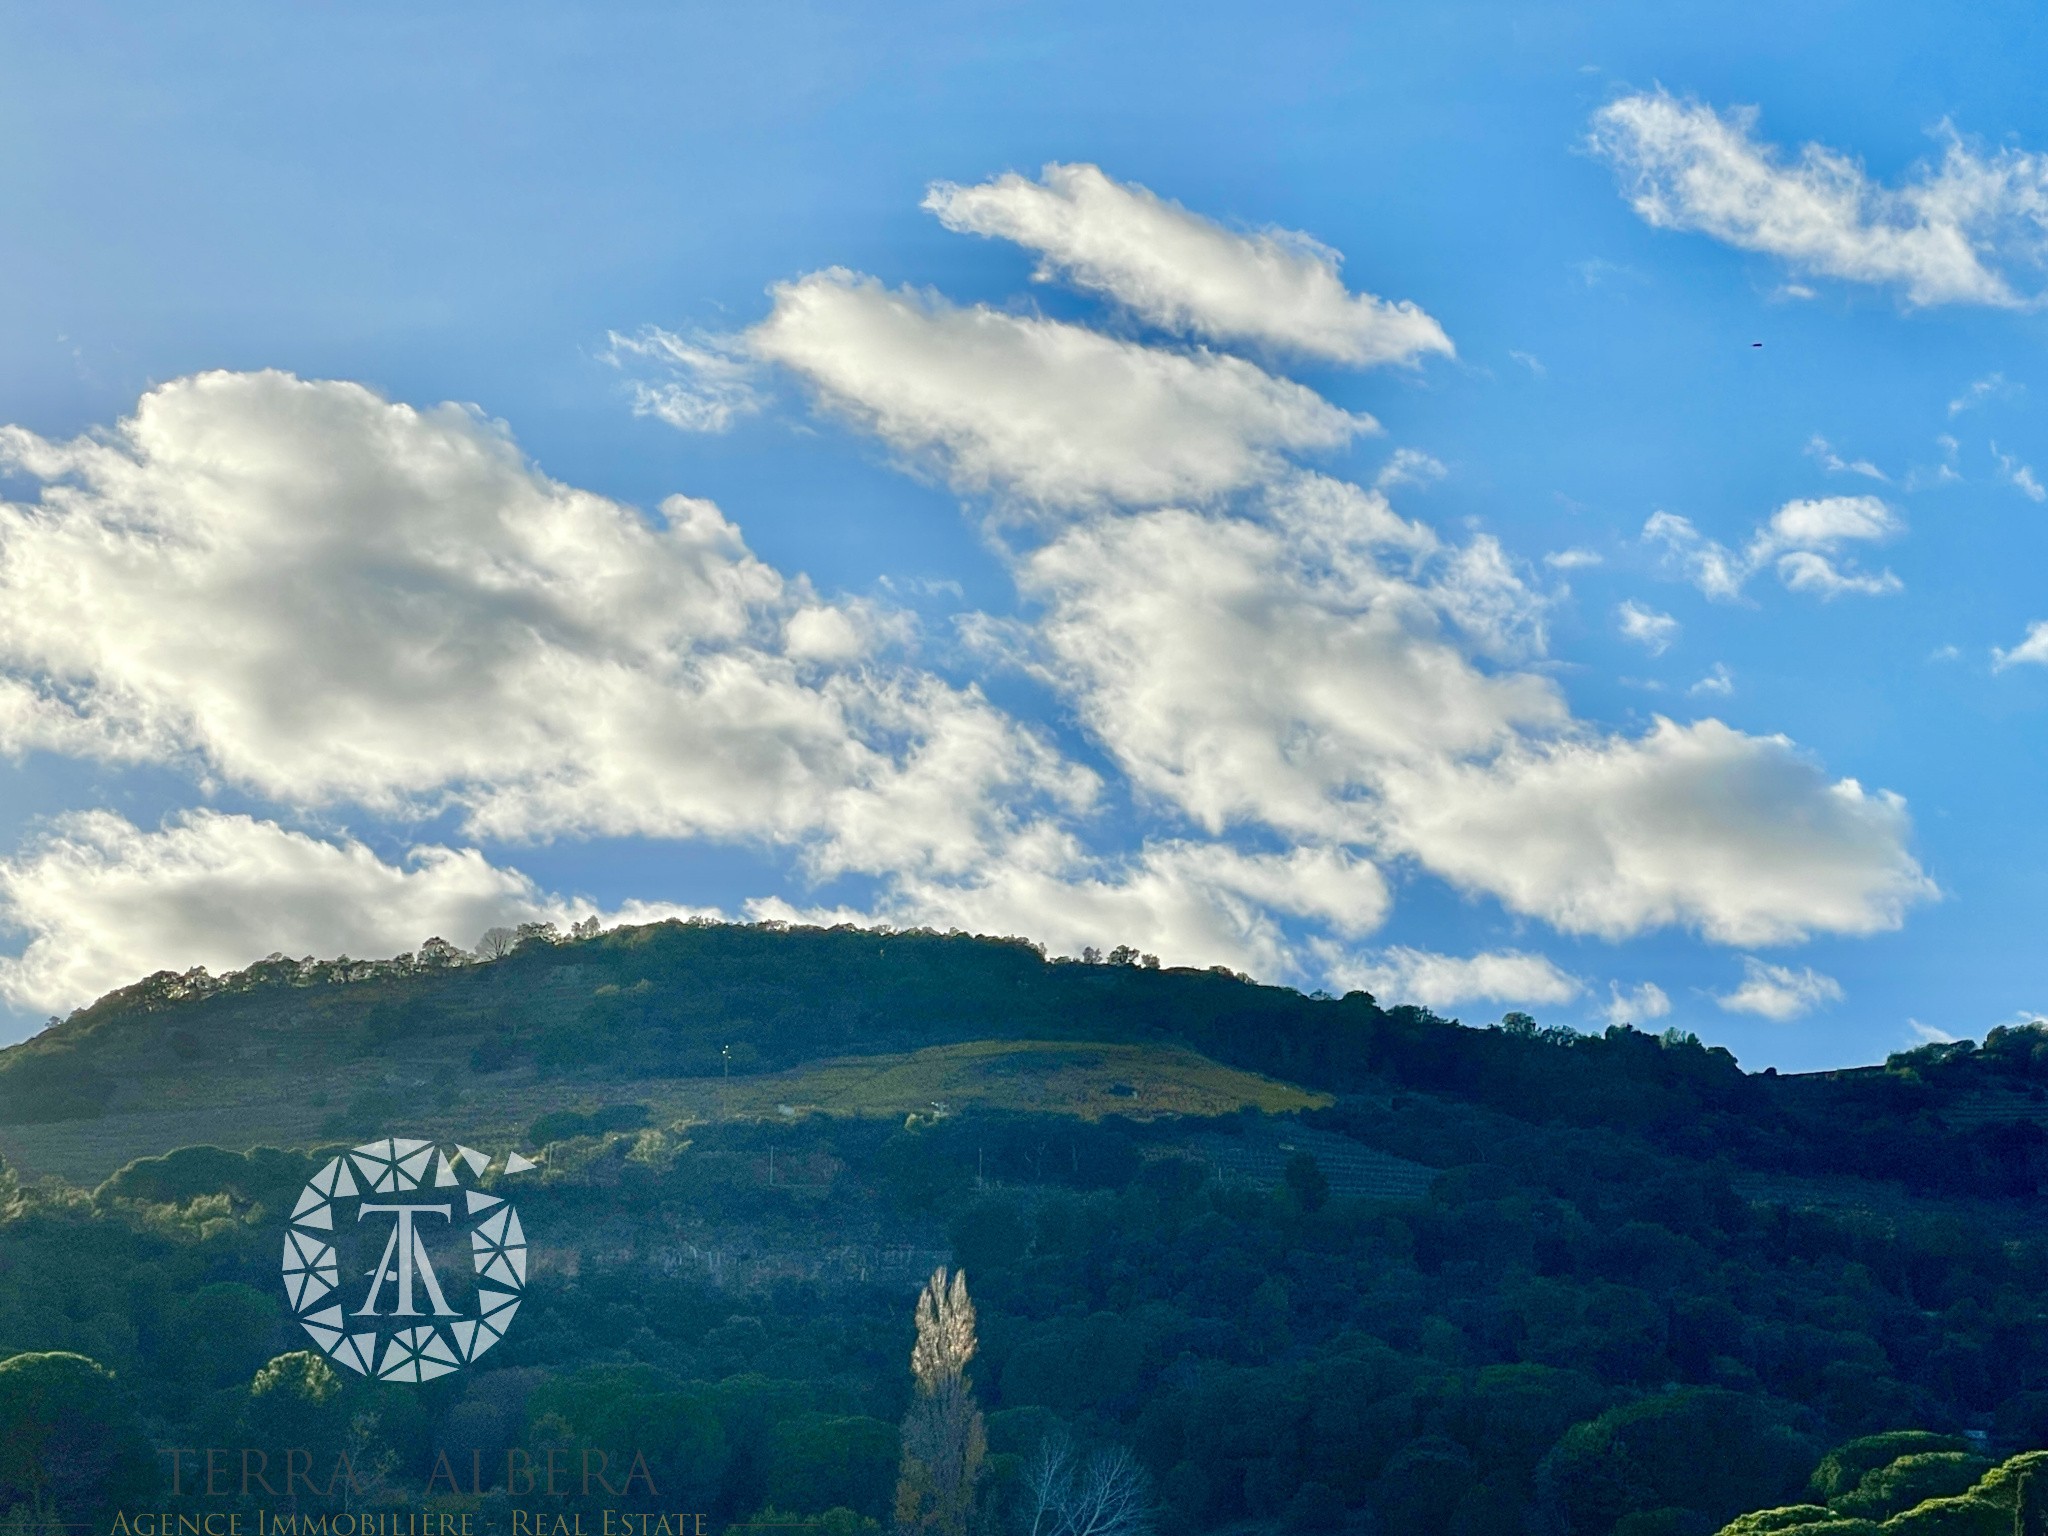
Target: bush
70, 1443
1702, 1448
1845, 1467
52, 1085
567, 1124
1912, 1480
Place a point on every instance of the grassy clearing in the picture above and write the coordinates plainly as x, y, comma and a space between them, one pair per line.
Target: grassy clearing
1087, 1081
1032, 1076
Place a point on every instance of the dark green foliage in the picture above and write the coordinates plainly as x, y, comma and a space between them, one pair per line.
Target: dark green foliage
1843, 1469
702, 998
71, 1446
563, 1124
37, 1087
1713, 1452
368, 1111
264, 1176
1920, 1493
771, 1521
818, 1462
1305, 1177
1601, 1319
638, 1406
1911, 1480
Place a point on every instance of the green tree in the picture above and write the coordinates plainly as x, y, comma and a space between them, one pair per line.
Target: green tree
1305, 1177
818, 1462
1911, 1480
1845, 1467
71, 1445
296, 1402
1703, 1449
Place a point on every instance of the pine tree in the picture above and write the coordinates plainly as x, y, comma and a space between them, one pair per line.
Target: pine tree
943, 1438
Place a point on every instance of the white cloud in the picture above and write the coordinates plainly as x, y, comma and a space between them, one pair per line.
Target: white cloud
1992, 386
324, 597
318, 596
1779, 992
1635, 1005
1944, 473
1799, 540
2032, 651
1264, 671
103, 903
2019, 476
1827, 521
1597, 272
1703, 826
1650, 629
1279, 673
1186, 273
1408, 466
1530, 361
1805, 571
1949, 234
1403, 975
1818, 447
1189, 903
1712, 567
1719, 682
708, 388
1572, 559
1056, 414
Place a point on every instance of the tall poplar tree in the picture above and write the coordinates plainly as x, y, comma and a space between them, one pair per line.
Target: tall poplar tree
943, 1438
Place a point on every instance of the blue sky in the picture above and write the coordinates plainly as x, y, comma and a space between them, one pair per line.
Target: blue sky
1084, 562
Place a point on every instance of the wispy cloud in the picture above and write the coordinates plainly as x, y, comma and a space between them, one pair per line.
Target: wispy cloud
1957, 231
1944, 473
1183, 272
1438, 981
2019, 476
1801, 540
1572, 559
1409, 466
1992, 386
1598, 272
706, 387
1648, 628
1779, 992
2032, 651
1819, 448
1635, 1005
1057, 414
1718, 683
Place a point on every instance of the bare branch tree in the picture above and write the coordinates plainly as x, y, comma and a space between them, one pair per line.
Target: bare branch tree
1107, 1493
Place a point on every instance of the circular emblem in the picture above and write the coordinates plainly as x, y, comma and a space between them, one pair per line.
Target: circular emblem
374, 1261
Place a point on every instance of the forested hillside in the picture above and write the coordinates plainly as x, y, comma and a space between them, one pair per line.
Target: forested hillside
1315, 1263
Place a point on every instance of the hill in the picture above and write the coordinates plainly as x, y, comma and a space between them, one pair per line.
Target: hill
1320, 1264
699, 1019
